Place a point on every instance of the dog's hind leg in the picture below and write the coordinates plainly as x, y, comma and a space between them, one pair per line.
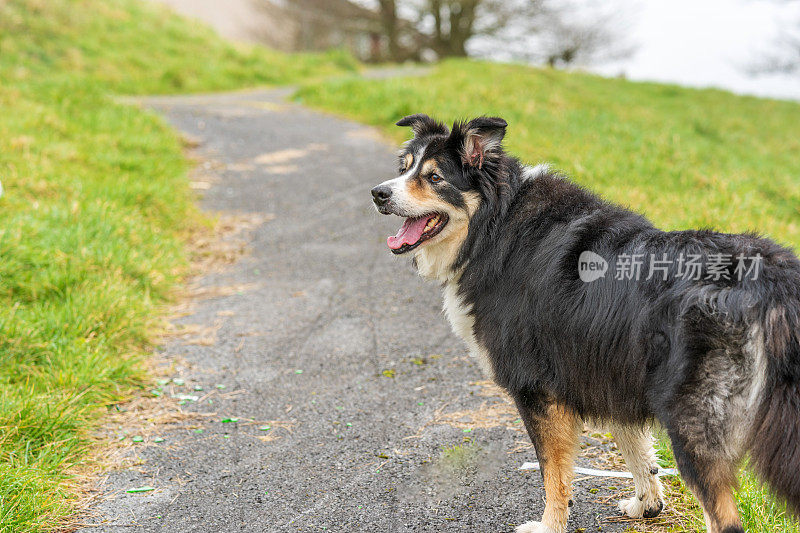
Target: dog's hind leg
712, 480
554, 431
636, 445
707, 413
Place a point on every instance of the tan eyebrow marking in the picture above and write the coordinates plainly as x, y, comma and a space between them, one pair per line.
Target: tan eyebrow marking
429, 167
407, 160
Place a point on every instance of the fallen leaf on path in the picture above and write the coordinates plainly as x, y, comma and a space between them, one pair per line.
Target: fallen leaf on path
282, 169
140, 489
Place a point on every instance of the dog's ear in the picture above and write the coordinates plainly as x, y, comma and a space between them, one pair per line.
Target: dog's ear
481, 139
423, 125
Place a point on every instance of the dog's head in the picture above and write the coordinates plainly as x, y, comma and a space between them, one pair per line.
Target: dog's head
441, 176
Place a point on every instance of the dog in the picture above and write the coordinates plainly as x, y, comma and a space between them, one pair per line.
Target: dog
537, 280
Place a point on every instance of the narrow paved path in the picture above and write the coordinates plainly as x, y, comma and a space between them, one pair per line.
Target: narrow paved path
379, 422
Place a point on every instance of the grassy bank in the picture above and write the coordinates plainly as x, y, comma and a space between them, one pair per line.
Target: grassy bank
95, 204
686, 158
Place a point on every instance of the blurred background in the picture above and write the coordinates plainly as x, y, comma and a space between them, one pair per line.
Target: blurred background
116, 122
748, 46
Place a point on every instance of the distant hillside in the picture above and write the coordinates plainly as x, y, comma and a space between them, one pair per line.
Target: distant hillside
297, 25
685, 157
137, 46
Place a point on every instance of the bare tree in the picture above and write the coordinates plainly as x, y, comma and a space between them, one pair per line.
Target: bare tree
785, 55
449, 24
453, 25
791, 44
558, 32
581, 32
455, 22
390, 22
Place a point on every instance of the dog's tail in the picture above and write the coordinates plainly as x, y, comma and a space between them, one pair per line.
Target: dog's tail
775, 438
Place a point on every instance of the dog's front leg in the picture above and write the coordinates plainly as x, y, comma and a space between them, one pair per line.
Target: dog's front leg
554, 431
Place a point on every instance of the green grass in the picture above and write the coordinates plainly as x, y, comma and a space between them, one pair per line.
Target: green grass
759, 510
686, 158
139, 48
95, 206
460, 457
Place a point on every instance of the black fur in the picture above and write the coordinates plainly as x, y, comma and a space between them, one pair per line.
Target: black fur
733, 529
624, 350
423, 125
628, 351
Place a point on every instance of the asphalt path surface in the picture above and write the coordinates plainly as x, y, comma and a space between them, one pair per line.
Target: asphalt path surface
378, 419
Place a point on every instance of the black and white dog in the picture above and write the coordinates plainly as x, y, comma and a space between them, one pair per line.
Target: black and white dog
584, 311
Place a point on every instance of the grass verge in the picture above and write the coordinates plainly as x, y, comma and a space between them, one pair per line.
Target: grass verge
95, 206
684, 157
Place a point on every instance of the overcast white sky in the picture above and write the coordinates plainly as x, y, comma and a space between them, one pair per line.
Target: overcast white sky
707, 43
701, 42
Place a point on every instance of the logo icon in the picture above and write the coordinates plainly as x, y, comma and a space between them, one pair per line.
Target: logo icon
591, 266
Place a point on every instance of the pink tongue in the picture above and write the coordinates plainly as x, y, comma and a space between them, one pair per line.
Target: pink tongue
409, 234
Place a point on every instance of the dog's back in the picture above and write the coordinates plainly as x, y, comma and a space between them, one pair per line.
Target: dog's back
714, 357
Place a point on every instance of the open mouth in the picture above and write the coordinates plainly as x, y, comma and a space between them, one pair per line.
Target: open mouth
415, 231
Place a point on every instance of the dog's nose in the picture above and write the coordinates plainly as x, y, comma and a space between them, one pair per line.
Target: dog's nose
381, 195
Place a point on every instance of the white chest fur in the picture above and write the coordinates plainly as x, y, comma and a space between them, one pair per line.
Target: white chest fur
463, 323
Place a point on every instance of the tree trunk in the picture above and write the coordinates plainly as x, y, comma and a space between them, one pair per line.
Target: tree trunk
435, 7
389, 23
462, 21
459, 17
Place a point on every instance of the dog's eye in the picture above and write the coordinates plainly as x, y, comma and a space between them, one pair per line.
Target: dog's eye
435, 177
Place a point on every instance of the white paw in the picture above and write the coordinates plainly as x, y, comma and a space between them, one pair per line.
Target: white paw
636, 508
533, 527
633, 507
